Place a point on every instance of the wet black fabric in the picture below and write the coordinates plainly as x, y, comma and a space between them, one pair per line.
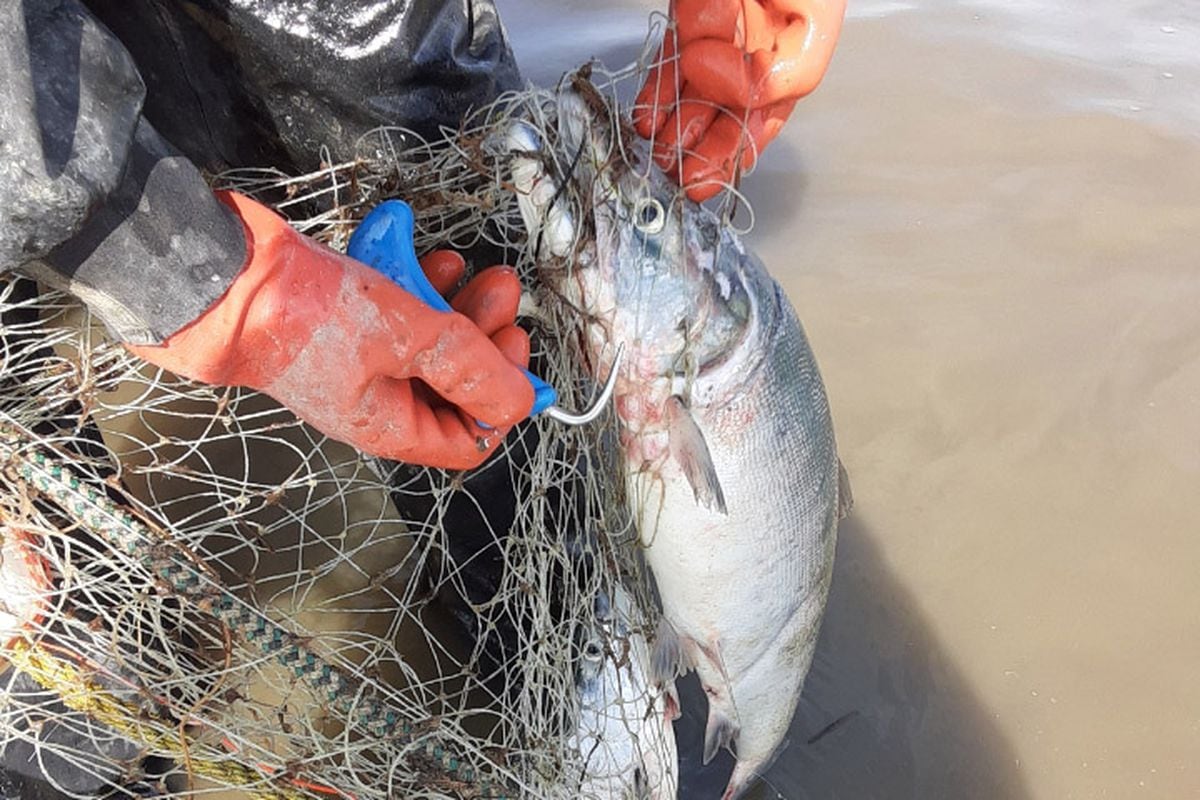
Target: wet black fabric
271, 82
156, 253
70, 99
226, 83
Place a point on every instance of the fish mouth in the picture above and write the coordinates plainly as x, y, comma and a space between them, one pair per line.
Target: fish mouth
586, 187
543, 205
556, 172
573, 168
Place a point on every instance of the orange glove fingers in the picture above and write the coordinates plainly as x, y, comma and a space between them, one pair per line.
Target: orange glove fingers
657, 97
711, 166
514, 343
458, 441
473, 445
707, 19
454, 356
762, 125
731, 146
733, 55
465, 368
395, 420
469, 445
682, 130
759, 26
490, 299
444, 269
708, 180
732, 81
706, 174
824, 16
721, 69
808, 42
802, 55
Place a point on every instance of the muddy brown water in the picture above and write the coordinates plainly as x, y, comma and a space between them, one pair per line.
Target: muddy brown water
988, 218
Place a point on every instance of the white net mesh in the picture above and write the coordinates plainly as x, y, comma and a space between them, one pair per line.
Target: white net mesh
203, 595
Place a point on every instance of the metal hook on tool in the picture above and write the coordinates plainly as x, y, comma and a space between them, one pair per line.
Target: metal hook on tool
597, 408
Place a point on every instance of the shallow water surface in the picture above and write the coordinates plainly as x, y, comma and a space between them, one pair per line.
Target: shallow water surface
987, 218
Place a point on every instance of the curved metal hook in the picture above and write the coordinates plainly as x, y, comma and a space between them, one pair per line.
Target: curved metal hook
597, 408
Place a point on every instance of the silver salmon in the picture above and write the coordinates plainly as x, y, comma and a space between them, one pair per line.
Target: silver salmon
732, 469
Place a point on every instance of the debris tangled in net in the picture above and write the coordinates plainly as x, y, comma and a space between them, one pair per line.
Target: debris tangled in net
206, 596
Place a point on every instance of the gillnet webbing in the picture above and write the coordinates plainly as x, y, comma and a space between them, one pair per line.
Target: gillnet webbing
206, 597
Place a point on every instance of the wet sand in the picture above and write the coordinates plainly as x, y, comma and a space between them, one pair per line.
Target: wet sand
994, 251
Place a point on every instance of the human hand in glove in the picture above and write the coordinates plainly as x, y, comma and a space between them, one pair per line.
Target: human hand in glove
728, 75
358, 357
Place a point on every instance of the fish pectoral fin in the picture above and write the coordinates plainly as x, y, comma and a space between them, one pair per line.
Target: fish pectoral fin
670, 658
845, 494
690, 451
720, 731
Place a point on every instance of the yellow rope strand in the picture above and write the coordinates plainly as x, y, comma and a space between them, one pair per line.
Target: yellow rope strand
79, 694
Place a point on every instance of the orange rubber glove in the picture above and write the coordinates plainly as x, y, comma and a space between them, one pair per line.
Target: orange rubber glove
358, 357
728, 75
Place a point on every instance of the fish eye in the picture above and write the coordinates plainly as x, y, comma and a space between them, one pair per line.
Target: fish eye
649, 216
592, 650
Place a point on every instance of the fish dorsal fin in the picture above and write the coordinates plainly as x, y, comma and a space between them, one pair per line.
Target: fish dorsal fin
690, 451
845, 494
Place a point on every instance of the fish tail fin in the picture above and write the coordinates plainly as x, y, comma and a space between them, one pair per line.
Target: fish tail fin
720, 731
744, 774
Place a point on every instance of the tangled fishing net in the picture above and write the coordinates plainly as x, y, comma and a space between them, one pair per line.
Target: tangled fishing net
205, 596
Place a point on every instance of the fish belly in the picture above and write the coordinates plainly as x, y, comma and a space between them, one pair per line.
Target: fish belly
745, 590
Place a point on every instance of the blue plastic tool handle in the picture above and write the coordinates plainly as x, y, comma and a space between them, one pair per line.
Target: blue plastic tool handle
384, 241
